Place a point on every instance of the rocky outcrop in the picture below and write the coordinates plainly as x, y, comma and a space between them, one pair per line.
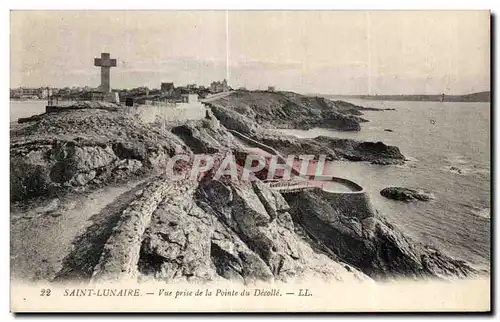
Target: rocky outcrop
233, 120
283, 110
336, 120
239, 231
406, 194
333, 148
210, 229
250, 113
177, 231
120, 254
73, 149
368, 241
349, 108
206, 136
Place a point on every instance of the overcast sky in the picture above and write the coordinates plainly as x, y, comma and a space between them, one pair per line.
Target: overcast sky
326, 52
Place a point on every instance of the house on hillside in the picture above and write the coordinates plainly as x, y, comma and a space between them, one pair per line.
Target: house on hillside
167, 89
219, 87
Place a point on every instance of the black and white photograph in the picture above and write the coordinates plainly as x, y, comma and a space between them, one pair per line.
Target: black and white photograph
250, 161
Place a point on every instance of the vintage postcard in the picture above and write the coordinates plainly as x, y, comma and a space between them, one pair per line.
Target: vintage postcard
250, 161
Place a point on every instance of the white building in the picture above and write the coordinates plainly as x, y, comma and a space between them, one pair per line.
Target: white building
189, 98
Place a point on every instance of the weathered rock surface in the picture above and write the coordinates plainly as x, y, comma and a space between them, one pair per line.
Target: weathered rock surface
211, 229
406, 194
233, 120
333, 148
206, 136
284, 110
368, 241
235, 230
120, 254
48, 207
243, 231
250, 113
78, 147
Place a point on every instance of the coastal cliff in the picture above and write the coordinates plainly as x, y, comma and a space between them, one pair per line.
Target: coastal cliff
256, 114
360, 236
188, 230
245, 232
289, 110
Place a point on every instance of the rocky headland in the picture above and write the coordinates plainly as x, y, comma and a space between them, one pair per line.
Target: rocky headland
102, 172
256, 114
333, 148
287, 110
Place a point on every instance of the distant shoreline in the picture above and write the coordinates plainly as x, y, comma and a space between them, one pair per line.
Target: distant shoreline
473, 97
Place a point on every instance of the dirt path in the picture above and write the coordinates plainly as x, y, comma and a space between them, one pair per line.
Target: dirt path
41, 243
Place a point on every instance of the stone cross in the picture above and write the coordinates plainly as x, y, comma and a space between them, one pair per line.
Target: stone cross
105, 63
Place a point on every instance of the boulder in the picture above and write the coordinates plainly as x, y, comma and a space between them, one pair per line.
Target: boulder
406, 194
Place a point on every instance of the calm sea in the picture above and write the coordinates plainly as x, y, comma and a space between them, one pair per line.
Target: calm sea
26, 108
435, 137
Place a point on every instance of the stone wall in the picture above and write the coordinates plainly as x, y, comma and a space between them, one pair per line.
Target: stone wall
180, 113
351, 204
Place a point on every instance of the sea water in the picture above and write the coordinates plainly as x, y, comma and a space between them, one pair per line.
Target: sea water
19, 109
448, 145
